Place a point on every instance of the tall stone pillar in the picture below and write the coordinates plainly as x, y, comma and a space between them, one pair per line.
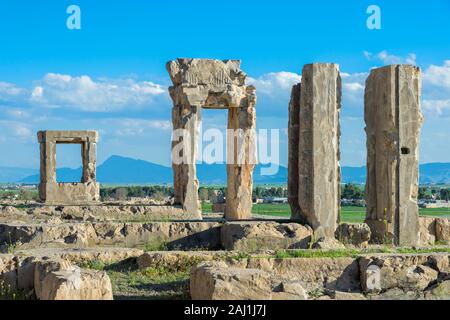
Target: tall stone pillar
393, 121
293, 138
241, 154
186, 122
318, 149
89, 156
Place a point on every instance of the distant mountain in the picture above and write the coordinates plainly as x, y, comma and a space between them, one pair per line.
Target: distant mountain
12, 174
122, 170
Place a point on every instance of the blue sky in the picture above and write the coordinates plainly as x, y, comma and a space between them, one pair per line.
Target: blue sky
111, 76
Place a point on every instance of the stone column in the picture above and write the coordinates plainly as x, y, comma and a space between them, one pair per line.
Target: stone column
241, 160
319, 169
47, 166
89, 156
293, 138
186, 122
393, 121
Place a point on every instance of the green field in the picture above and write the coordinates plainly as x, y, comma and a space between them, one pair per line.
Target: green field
348, 214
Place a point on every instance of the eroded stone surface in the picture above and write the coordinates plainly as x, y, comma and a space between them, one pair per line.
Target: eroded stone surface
185, 235
318, 151
357, 234
405, 272
393, 121
260, 236
176, 259
327, 243
217, 281
76, 284
443, 230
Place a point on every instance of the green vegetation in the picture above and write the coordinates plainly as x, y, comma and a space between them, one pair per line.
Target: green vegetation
353, 253
154, 246
123, 192
349, 214
156, 282
7, 293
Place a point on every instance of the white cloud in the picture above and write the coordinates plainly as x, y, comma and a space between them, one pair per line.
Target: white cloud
436, 90
438, 75
387, 58
16, 130
85, 94
274, 83
436, 107
138, 127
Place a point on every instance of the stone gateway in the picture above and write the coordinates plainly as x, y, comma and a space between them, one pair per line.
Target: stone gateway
214, 84
87, 191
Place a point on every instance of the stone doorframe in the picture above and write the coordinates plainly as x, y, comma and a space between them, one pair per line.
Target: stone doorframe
51, 192
213, 84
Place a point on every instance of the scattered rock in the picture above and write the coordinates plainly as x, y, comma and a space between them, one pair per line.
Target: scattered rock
427, 231
443, 230
178, 259
406, 272
76, 284
289, 290
218, 281
357, 234
440, 291
341, 295
259, 236
327, 243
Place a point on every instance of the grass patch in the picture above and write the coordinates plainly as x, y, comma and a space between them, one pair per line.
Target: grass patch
350, 214
6, 293
353, 253
155, 245
153, 283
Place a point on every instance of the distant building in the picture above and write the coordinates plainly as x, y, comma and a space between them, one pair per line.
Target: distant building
275, 200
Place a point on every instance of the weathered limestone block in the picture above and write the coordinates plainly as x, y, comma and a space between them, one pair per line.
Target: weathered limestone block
293, 151
406, 272
179, 259
393, 120
443, 230
261, 236
327, 243
340, 274
43, 267
319, 131
76, 284
186, 235
357, 234
427, 231
241, 161
205, 83
217, 281
84, 192
440, 291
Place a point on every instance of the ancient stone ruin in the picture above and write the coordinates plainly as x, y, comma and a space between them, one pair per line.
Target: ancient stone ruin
214, 84
87, 190
314, 170
68, 247
393, 121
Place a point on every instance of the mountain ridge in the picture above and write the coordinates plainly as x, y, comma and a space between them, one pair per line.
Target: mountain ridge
118, 169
